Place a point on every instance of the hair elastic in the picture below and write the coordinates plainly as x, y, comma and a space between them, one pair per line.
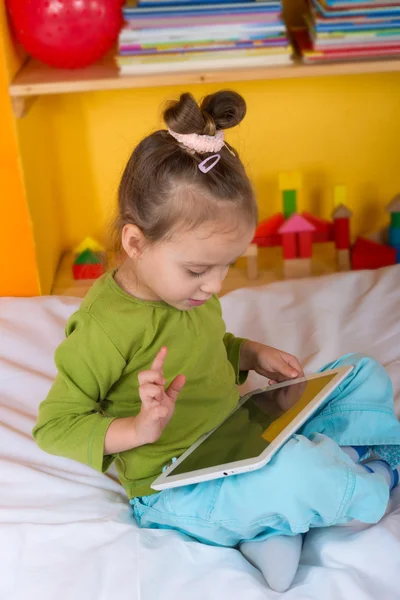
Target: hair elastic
202, 144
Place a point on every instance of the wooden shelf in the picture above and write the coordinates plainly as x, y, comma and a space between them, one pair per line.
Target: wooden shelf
270, 263
35, 78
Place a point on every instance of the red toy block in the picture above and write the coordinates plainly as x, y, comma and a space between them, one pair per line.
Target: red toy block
305, 241
268, 242
371, 255
289, 243
341, 228
323, 228
92, 271
269, 226
267, 232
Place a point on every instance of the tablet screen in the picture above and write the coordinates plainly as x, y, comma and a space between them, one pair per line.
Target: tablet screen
253, 426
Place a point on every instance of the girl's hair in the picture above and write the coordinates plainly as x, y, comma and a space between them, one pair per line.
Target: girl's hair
162, 188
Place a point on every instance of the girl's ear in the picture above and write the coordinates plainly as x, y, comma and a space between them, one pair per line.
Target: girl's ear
133, 240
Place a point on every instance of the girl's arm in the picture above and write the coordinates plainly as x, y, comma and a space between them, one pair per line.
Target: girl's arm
70, 421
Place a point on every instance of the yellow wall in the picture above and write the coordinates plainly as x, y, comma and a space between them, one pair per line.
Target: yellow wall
335, 130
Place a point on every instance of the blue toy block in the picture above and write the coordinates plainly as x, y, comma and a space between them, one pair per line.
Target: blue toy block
394, 237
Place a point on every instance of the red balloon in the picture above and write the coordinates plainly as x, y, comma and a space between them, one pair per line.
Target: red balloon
66, 33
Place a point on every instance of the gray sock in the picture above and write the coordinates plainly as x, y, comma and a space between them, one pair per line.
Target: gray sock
277, 558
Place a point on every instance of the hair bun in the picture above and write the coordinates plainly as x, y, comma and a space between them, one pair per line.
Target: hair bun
227, 108
221, 110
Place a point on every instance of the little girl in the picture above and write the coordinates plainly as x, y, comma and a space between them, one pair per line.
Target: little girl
147, 366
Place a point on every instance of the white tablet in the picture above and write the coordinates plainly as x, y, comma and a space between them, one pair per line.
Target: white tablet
255, 430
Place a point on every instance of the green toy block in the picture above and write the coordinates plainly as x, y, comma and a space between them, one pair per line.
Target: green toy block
395, 219
289, 202
87, 257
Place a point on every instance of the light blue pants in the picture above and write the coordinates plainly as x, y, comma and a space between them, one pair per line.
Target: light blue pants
309, 483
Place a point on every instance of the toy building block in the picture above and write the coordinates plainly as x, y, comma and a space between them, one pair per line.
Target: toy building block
88, 265
289, 198
297, 237
394, 209
343, 261
87, 271
339, 195
267, 232
289, 245
89, 244
289, 185
323, 228
394, 237
341, 212
305, 242
290, 180
252, 261
296, 224
296, 268
341, 227
371, 255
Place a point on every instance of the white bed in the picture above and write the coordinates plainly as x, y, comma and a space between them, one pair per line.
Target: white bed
66, 531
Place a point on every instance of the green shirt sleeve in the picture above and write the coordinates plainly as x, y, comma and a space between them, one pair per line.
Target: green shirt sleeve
70, 421
233, 345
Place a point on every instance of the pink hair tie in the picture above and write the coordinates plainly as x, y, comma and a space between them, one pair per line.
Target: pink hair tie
200, 143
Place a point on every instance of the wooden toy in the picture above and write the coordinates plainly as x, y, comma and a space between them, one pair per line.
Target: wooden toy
297, 268
339, 195
323, 228
252, 261
89, 244
394, 228
88, 265
341, 232
297, 242
90, 260
267, 232
343, 259
394, 209
289, 185
367, 254
296, 233
341, 227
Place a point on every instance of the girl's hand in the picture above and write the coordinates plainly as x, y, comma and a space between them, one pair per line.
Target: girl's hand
158, 404
270, 362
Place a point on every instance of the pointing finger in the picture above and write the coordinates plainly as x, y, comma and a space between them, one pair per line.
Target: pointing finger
151, 377
158, 362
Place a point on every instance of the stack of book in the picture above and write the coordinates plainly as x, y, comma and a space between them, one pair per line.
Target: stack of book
350, 29
181, 35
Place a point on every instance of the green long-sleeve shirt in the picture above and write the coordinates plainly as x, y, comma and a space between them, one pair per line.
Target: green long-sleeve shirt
110, 339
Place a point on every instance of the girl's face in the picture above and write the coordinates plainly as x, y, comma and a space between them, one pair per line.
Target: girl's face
188, 269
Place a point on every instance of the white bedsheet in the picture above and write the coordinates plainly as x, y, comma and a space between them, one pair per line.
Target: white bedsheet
66, 531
